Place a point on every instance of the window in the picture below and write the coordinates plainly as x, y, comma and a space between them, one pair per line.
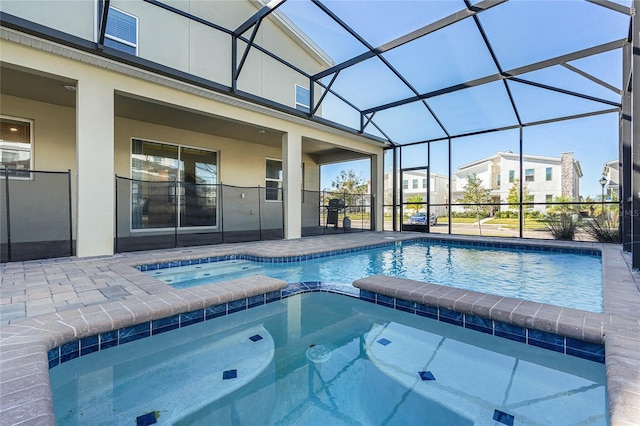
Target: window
122, 31
303, 98
549, 175
424, 182
15, 146
274, 180
405, 184
512, 176
498, 180
528, 175
414, 184
172, 185
548, 198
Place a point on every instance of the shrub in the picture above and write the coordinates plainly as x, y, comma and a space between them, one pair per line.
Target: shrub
561, 226
534, 214
602, 230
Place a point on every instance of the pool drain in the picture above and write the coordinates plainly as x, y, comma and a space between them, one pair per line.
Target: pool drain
318, 353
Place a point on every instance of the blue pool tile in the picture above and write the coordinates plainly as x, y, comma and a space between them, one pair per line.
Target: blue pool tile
54, 357
384, 342
174, 264
367, 296
509, 331
192, 317
255, 338
293, 288
383, 300
272, 296
545, 340
474, 322
108, 339
586, 350
312, 285
89, 345
426, 375
426, 311
502, 417
135, 332
255, 300
215, 311
165, 324
164, 265
229, 374
237, 305
147, 419
451, 317
69, 351
406, 305
152, 267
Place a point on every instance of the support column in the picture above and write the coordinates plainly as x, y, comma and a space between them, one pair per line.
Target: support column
95, 163
377, 189
624, 165
292, 170
635, 148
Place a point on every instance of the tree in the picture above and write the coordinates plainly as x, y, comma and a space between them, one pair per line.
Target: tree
561, 209
514, 196
416, 202
475, 195
351, 184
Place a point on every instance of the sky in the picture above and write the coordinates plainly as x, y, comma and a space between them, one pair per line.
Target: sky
521, 32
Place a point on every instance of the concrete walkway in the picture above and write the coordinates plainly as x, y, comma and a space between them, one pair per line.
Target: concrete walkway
33, 294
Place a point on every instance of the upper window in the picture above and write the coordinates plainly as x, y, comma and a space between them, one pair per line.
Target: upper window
15, 146
122, 31
529, 175
424, 182
405, 184
303, 98
549, 175
498, 179
512, 176
274, 180
414, 184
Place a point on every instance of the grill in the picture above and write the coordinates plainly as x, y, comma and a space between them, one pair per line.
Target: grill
333, 209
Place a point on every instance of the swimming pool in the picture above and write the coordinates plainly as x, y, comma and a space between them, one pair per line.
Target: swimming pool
322, 358
559, 278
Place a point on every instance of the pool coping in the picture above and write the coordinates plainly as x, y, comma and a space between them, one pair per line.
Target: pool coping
24, 385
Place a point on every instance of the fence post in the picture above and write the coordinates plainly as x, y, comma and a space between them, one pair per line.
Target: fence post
176, 212
221, 189
259, 214
6, 194
115, 248
70, 214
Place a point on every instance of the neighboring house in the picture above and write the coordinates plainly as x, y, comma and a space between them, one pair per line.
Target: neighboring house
545, 178
414, 183
155, 100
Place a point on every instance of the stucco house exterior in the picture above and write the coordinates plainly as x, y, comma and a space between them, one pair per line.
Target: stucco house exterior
158, 95
545, 178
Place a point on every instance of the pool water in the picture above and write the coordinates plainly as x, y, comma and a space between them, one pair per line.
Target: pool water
320, 359
565, 279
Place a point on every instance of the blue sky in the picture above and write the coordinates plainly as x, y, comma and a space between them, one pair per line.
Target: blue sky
521, 32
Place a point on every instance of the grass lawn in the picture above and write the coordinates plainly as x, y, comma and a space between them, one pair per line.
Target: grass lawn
457, 220
515, 223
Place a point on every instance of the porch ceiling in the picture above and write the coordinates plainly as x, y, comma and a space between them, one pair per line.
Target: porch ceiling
50, 89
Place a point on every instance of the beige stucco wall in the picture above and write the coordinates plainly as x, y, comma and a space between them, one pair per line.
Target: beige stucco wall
103, 79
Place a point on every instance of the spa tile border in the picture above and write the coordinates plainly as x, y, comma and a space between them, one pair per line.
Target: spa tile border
289, 259
546, 340
569, 331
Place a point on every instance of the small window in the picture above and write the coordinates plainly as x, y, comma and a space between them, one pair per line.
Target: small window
405, 184
122, 31
273, 180
549, 175
424, 182
414, 184
548, 198
303, 98
15, 146
512, 176
498, 180
528, 175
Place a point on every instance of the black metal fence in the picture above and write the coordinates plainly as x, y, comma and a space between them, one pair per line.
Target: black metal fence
36, 218
154, 215
326, 212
